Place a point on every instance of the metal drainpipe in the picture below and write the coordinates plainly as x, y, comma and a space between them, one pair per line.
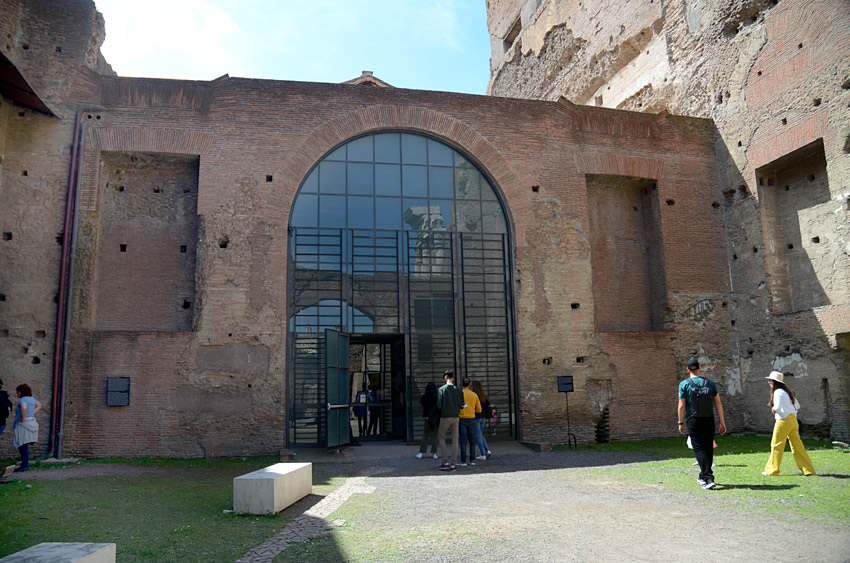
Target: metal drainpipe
66, 265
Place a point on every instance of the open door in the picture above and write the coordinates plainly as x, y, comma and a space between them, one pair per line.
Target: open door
338, 388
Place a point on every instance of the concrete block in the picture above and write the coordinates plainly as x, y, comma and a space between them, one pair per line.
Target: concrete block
64, 552
270, 490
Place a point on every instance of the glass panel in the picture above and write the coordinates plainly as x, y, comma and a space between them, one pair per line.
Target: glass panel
415, 214
439, 154
311, 184
388, 179
360, 179
388, 213
413, 149
360, 150
466, 182
305, 212
440, 182
387, 148
494, 221
486, 189
332, 211
338, 154
414, 181
469, 216
360, 212
441, 214
332, 177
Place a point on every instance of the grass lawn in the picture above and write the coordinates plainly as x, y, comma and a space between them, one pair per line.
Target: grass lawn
740, 461
172, 516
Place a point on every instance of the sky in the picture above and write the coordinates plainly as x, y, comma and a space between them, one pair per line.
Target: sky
422, 44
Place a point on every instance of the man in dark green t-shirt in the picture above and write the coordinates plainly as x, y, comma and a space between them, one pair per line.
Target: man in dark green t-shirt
698, 421
449, 401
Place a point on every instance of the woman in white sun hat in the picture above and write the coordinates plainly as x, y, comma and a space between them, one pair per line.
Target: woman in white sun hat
784, 406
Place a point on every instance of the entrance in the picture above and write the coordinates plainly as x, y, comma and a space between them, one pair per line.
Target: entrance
399, 242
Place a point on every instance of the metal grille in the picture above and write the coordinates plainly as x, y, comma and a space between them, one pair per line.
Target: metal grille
447, 293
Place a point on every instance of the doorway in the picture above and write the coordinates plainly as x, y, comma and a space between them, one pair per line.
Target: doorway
377, 375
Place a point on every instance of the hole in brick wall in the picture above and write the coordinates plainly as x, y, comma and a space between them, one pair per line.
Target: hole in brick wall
654, 187
574, 305
21, 113
579, 359
4, 332
846, 84
97, 116
535, 189
59, 238
734, 257
787, 348
733, 323
729, 193
120, 188
811, 177
186, 191
122, 247
40, 334
36, 360
790, 246
847, 145
547, 361
720, 98
742, 189
784, 121
183, 249
740, 144
56, 299
724, 304
58, 49
759, 73
787, 188
634, 208
7, 236
816, 240
761, 181
157, 189
2, 296
25, 46
755, 249
269, 178
223, 242
229, 334
24, 173
770, 181
715, 204
186, 304
816, 102
670, 202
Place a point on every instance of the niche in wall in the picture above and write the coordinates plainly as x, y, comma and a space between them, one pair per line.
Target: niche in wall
627, 254
798, 230
148, 231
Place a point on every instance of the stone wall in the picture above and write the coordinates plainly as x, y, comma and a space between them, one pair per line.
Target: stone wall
775, 79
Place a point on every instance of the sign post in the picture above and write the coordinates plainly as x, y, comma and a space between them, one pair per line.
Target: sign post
565, 385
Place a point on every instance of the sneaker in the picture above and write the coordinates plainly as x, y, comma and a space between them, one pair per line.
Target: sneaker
462, 464
471, 462
489, 453
436, 456
714, 464
695, 463
765, 474
709, 485
419, 455
481, 458
701, 481
445, 467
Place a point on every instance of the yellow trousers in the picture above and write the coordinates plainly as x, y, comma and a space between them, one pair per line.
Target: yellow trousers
788, 429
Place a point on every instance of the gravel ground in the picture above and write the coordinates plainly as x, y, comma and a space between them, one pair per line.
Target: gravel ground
547, 507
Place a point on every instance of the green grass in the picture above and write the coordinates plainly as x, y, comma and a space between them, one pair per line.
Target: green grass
740, 461
177, 515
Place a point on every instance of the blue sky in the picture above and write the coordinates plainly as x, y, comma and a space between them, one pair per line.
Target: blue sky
423, 44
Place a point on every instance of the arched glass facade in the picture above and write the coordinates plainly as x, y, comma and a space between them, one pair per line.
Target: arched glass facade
401, 241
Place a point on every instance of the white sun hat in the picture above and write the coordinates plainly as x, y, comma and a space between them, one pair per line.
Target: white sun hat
776, 376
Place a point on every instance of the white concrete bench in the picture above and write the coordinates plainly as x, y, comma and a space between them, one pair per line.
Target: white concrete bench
270, 490
64, 552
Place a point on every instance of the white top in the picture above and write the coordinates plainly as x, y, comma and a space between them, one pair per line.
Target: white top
782, 406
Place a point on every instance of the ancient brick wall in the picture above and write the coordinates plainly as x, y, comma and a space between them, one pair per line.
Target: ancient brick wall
775, 79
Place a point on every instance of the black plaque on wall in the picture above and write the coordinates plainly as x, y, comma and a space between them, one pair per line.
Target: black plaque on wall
117, 391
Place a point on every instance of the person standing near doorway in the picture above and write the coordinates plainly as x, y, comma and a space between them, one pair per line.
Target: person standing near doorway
698, 398
360, 410
431, 419
449, 401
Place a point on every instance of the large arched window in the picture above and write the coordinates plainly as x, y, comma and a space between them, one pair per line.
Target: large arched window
398, 181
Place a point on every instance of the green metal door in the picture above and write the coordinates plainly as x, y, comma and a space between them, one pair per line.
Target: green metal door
338, 388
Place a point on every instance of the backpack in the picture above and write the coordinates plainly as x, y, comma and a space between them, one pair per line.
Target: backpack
5, 406
701, 399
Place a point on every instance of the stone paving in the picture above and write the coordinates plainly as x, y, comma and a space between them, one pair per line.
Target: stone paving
313, 522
